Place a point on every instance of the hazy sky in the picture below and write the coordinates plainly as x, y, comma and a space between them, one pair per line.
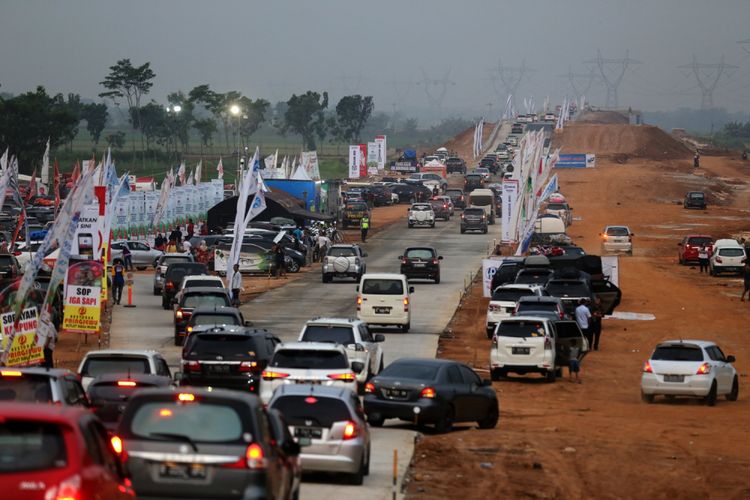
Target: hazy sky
273, 48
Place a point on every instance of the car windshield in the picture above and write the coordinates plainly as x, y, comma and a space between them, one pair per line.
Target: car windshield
474, 177
27, 387
420, 253
419, 371
532, 278
321, 411
731, 252
524, 307
204, 283
697, 195
205, 301
356, 206
382, 287
617, 231
100, 365
214, 319
510, 295
421, 207
481, 200
166, 261
113, 391
574, 289
677, 353
474, 211
556, 206
329, 333
341, 252
31, 446
520, 329
227, 346
699, 241
313, 359
202, 422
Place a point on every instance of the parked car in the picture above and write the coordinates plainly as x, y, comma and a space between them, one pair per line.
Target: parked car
421, 263
42, 385
344, 261
688, 247
161, 267
232, 357
384, 299
473, 181
695, 199
435, 392
54, 452
540, 306
121, 361
109, 393
534, 276
173, 277
353, 213
421, 214
457, 197
9, 267
695, 368
617, 239
454, 165
570, 292
474, 219
727, 256
503, 303
141, 254
354, 335
506, 273
313, 363
430, 180
204, 443
329, 425
193, 298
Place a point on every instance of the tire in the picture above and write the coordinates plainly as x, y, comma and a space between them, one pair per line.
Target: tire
326, 279
463, 230
410, 225
405, 328
437, 279
164, 304
445, 424
375, 420
681, 260
432, 226
380, 369
550, 376
490, 421
735, 392
358, 477
367, 464
484, 231
710, 399
497, 374
292, 266
647, 398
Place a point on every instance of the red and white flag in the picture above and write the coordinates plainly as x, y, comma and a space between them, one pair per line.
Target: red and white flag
181, 173
220, 169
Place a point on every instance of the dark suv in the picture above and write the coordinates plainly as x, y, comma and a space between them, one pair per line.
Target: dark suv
230, 357
353, 213
173, 278
534, 276
472, 182
695, 199
9, 267
109, 393
473, 219
455, 164
206, 443
193, 298
421, 263
457, 197
441, 208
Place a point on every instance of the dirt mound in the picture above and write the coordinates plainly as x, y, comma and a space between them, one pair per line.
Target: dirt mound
603, 117
463, 143
621, 142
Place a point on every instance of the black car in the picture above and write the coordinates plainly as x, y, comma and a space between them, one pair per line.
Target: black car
294, 259
173, 278
421, 263
457, 197
431, 391
570, 291
205, 443
109, 393
473, 219
409, 193
229, 357
472, 182
491, 163
192, 298
534, 276
215, 317
381, 195
455, 164
9, 267
695, 199
506, 273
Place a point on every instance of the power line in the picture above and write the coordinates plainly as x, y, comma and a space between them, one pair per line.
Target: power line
580, 83
708, 76
745, 45
612, 84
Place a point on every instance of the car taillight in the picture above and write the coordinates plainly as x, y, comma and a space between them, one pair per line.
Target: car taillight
463, 216
547, 344
169, 284
350, 431
404, 261
126, 383
186, 397
435, 261
369, 388
406, 304
272, 375
248, 366
68, 489
461, 198
193, 366
11, 373
494, 308
704, 369
188, 329
346, 377
359, 303
604, 236
254, 459
17, 253
427, 392
178, 314
647, 367
562, 314
116, 443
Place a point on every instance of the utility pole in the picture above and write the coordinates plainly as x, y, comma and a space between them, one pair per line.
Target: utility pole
435, 89
708, 76
580, 83
612, 84
506, 79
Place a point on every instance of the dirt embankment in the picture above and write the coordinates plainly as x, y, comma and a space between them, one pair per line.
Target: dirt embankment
463, 143
603, 117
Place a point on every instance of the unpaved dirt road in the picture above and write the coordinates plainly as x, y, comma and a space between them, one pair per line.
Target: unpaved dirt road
598, 439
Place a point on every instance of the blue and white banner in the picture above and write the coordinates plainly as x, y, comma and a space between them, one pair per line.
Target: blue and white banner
578, 160
549, 189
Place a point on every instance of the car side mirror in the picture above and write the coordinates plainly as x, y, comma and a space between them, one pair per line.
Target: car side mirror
358, 367
486, 382
379, 338
730, 359
411, 289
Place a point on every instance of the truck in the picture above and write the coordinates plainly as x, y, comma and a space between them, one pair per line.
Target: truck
484, 198
407, 162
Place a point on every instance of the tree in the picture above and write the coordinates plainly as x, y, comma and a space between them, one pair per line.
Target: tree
206, 128
27, 120
75, 107
305, 115
154, 124
253, 116
96, 116
182, 121
220, 109
352, 113
116, 140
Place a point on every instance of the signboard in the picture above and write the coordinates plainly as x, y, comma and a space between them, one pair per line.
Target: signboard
309, 159
576, 161
354, 153
380, 140
82, 306
362, 160
87, 240
24, 350
489, 267
611, 268
249, 262
509, 198
372, 158
403, 166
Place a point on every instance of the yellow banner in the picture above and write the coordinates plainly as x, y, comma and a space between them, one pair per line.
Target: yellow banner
82, 310
23, 350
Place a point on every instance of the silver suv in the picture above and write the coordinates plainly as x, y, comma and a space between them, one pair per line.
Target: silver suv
361, 346
344, 261
421, 214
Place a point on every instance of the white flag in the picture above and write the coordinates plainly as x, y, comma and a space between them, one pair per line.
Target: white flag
220, 169
198, 172
181, 173
45, 167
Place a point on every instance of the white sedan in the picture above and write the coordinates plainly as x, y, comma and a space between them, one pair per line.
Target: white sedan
695, 368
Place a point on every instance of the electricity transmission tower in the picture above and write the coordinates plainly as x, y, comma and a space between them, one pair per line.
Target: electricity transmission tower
612, 84
435, 89
745, 44
506, 79
580, 83
708, 76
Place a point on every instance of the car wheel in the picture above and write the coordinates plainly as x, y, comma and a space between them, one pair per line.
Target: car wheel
463, 230
405, 328
437, 279
484, 231
681, 260
326, 279
445, 424
711, 396
375, 419
358, 477
550, 376
292, 266
410, 225
164, 304
367, 463
647, 398
734, 394
380, 368
490, 421
497, 374
433, 225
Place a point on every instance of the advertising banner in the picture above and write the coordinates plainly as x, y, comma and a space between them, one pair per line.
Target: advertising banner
489, 267
23, 351
372, 158
82, 306
218, 191
403, 166
362, 160
509, 198
87, 240
576, 161
354, 153
380, 140
309, 159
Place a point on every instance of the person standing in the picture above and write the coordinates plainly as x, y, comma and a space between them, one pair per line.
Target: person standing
746, 276
583, 318
574, 365
696, 160
278, 258
118, 281
127, 256
236, 285
323, 243
190, 229
364, 226
596, 322
186, 246
703, 258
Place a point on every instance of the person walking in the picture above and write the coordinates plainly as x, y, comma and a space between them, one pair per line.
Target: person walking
160, 242
127, 256
596, 322
176, 235
278, 258
574, 365
236, 285
364, 226
118, 281
696, 160
703, 258
190, 229
746, 276
171, 246
323, 243
583, 318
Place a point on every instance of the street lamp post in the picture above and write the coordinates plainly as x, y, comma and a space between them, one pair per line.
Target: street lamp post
237, 111
175, 110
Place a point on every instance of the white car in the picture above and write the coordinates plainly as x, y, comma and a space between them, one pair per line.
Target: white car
361, 346
313, 363
431, 180
421, 214
141, 254
617, 239
125, 361
384, 299
198, 280
727, 256
503, 302
344, 261
695, 368
485, 172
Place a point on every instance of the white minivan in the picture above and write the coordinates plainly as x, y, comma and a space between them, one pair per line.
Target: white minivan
383, 299
727, 256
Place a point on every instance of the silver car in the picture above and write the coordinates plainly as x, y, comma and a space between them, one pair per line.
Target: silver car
141, 254
617, 239
329, 425
163, 263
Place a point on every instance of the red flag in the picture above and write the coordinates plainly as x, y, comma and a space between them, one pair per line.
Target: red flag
56, 186
76, 173
21, 218
32, 187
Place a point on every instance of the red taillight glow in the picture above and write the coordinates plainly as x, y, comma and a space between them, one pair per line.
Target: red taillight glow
69, 489
178, 314
704, 369
435, 261
311, 400
165, 413
126, 383
248, 366
169, 284
406, 304
359, 302
647, 367
427, 392
350, 430
272, 375
186, 397
116, 443
369, 387
193, 366
255, 457
11, 373
346, 377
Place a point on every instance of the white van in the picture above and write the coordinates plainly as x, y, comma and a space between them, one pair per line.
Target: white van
383, 299
728, 256
484, 198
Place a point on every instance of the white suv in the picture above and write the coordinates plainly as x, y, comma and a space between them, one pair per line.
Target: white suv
344, 261
617, 239
727, 256
421, 214
361, 346
503, 302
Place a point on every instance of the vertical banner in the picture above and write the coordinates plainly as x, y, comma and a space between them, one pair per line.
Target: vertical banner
362, 160
23, 351
82, 309
309, 160
354, 153
152, 199
509, 198
489, 268
87, 239
380, 140
372, 158
218, 191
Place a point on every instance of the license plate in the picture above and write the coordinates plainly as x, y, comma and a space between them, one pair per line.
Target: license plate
182, 471
674, 378
218, 368
520, 350
308, 382
382, 310
308, 432
396, 393
419, 264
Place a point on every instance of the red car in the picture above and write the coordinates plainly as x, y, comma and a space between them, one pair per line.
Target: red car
57, 452
687, 249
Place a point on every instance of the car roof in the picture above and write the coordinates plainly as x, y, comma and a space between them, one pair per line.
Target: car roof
247, 331
202, 277
216, 310
204, 290
389, 276
344, 245
325, 320
176, 254
534, 298
686, 343
123, 352
313, 390
516, 286
42, 412
420, 247
50, 372
311, 346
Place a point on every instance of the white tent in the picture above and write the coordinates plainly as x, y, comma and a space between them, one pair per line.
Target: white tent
300, 174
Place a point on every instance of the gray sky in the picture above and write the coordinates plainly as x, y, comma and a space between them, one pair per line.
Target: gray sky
273, 48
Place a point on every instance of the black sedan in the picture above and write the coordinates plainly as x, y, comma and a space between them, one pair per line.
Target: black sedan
421, 263
431, 391
410, 193
109, 393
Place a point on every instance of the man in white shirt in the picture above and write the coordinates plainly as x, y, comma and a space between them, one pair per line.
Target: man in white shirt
323, 243
236, 285
186, 246
583, 318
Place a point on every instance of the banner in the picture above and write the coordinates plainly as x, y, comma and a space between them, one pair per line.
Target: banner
489, 268
309, 160
372, 158
590, 160
571, 161
509, 198
82, 308
549, 189
380, 140
354, 153
23, 350
87, 239
362, 160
